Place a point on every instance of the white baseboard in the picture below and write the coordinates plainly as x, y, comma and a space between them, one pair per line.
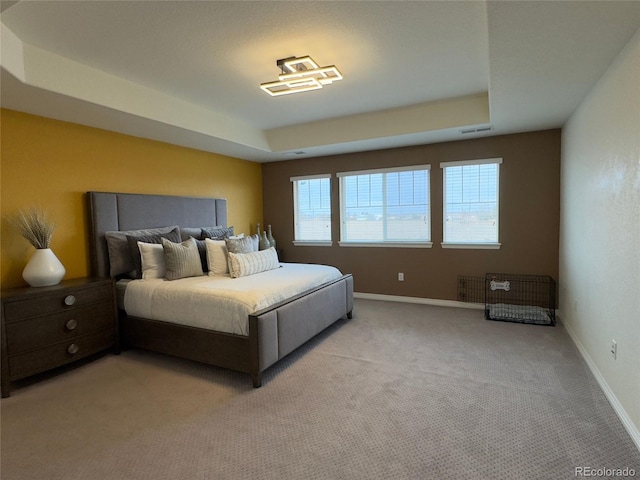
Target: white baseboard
631, 428
424, 301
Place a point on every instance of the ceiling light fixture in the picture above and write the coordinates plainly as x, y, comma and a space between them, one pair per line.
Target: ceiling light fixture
300, 74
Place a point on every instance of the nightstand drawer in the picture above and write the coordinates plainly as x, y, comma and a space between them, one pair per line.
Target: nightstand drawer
46, 327
59, 301
59, 354
42, 331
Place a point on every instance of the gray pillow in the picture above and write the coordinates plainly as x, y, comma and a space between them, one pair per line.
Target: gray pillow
216, 233
202, 251
196, 233
186, 232
134, 251
239, 245
120, 258
181, 259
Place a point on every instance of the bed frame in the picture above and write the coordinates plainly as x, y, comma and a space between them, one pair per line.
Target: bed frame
273, 332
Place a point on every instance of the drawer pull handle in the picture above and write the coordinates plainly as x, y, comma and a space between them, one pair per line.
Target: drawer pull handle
73, 349
69, 300
71, 324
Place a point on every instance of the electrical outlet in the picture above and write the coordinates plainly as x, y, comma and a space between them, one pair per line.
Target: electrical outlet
401, 277
614, 349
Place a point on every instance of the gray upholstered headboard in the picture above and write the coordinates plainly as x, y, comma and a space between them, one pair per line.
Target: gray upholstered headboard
127, 211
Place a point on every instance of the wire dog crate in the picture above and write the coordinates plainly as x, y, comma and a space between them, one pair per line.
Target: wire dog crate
471, 289
520, 298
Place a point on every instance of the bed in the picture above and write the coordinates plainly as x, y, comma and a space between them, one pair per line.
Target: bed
272, 332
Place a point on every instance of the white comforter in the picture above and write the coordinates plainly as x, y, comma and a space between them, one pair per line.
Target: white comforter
221, 303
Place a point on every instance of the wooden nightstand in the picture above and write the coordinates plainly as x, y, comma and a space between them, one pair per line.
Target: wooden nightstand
46, 327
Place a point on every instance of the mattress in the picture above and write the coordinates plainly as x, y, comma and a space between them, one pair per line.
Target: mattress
221, 303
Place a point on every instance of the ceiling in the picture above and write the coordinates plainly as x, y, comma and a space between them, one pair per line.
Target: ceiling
415, 72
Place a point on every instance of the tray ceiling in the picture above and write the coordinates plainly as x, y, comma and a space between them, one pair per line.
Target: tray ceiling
188, 72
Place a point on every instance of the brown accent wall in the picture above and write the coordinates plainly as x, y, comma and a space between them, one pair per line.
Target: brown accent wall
529, 215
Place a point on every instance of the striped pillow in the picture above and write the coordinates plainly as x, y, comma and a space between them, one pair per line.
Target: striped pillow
243, 264
181, 259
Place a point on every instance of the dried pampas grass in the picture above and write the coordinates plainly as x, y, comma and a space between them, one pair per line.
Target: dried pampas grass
34, 225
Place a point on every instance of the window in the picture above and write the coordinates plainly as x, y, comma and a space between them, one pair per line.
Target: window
386, 207
312, 210
471, 203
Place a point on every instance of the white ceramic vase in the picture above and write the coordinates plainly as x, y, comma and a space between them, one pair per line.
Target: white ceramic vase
43, 269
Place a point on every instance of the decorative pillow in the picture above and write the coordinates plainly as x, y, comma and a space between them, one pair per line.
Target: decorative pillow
120, 258
216, 233
152, 259
202, 251
195, 232
243, 264
173, 235
255, 242
240, 245
216, 257
181, 259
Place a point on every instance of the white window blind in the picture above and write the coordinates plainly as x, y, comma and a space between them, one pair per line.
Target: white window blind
387, 206
471, 201
312, 208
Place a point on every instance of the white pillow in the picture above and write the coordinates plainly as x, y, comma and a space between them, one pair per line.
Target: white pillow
255, 242
216, 257
243, 264
152, 257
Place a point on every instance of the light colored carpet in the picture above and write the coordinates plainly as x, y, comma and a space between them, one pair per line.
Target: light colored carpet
401, 391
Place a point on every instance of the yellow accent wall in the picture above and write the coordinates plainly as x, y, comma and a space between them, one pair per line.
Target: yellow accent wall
52, 163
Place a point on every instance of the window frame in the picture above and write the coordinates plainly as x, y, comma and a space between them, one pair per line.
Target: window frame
310, 243
470, 245
391, 243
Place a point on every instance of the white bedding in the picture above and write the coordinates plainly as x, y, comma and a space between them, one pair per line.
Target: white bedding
220, 302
